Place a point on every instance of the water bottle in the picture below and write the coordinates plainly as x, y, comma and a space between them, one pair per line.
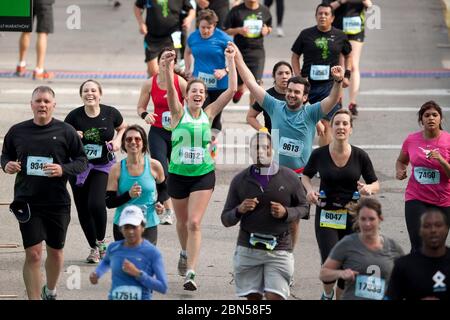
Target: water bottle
356, 196
322, 198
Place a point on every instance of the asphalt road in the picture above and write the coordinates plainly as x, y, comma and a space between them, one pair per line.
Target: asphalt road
108, 42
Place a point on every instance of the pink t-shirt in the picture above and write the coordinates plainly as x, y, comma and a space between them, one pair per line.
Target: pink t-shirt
428, 181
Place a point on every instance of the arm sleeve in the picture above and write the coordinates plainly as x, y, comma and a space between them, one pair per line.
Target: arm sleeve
269, 104
299, 207
159, 281
368, 171
8, 151
297, 47
346, 47
113, 200
340, 249
311, 167
104, 266
257, 107
77, 155
394, 291
117, 116
162, 191
139, 4
230, 216
314, 111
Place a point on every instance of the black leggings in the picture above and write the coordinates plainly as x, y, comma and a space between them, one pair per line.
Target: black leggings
151, 234
280, 10
413, 210
90, 202
160, 146
328, 237
212, 96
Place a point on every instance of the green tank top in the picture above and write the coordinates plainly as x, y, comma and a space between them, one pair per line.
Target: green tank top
190, 146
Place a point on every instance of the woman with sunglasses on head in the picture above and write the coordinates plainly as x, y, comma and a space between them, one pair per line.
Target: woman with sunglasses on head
191, 169
428, 152
96, 124
159, 135
137, 180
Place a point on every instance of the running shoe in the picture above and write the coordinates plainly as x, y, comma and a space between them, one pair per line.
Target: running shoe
167, 217
189, 283
280, 32
45, 295
182, 265
237, 96
20, 71
325, 297
101, 245
44, 75
94, 256
353, 109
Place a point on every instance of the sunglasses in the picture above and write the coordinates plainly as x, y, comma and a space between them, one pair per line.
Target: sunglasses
136, 139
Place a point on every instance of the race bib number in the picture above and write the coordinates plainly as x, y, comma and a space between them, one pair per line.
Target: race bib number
254, 28
335, 219
319, 72
208, 79
165, 120
35, 165
176, 39
290, 147
427, 176
352, 25
192, 155
127, 293
93, 151
369, 287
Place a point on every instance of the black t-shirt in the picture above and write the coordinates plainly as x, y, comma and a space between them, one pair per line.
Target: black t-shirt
320, 49
33, 145
340, 183
257, 107
163, 19
416, 276
96, 131
241, 16
346, 10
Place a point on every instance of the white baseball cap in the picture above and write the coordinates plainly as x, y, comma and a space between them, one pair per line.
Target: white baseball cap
131, 215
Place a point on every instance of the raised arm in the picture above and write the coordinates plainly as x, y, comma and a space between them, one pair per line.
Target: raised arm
246, 75
175, 107
217, 106
327, 104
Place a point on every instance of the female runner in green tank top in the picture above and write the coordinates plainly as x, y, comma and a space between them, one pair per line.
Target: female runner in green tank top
191, 170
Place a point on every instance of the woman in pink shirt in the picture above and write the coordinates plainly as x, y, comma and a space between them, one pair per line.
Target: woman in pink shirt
428, 151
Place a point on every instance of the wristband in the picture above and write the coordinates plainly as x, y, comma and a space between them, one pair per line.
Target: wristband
339, 80
347, 74
144, 114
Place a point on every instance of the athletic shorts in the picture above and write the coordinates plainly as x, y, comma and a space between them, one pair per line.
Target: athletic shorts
260, 271
320, 91
356, 37
153, 46
44, 15
47, 223
180, 187
256, 66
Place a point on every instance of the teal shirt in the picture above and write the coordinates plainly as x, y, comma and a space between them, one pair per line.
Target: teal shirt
148, 196
292, 131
